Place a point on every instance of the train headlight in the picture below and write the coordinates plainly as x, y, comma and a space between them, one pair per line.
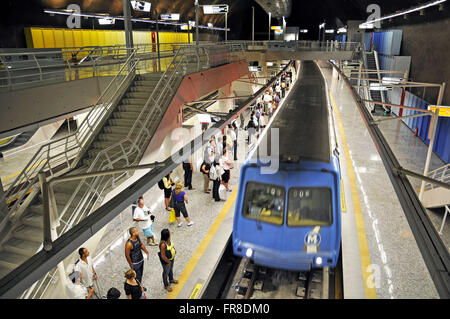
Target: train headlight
319, 260
249, 252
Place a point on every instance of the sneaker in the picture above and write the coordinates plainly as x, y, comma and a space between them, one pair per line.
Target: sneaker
191, 223
168, 288
153, 244
174, 281
179, 225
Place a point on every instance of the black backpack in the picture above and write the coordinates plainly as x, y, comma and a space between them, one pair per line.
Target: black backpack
161, 184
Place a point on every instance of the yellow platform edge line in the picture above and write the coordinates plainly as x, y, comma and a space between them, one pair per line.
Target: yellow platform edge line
362, 237
343, 206
192, 263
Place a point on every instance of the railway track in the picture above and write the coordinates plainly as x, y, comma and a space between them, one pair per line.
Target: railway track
240, 278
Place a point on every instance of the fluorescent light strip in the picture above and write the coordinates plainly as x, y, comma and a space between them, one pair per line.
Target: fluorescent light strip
427, 5
132, 19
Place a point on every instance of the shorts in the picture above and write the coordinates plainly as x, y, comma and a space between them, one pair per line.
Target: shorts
148, 232
167, 192
226, 176
180, 207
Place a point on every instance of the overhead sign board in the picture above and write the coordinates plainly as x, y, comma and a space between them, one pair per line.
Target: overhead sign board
443, 110
141, 5
215, 9
170, 16
106, 21
253, 68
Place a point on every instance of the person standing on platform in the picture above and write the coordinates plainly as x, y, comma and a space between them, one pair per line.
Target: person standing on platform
233, 138
132, 286
86, 267
167, 258
168, 182
215, 175
204, 168
145, 218
133, 253
180, 207
219, 150
188, 170
225, 165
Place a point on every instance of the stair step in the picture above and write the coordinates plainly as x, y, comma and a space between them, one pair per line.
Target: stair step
138, 101
116, 129
34, 220
11, 260
30, 233
121, 122
146, 83
35, 209
4, 271
148, 76
20, 246
138, 95
126, 115
130, 108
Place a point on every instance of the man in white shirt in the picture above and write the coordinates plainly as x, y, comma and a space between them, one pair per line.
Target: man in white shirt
209, 153
145, 218
74, 288
225, 166
85, 266
233, 137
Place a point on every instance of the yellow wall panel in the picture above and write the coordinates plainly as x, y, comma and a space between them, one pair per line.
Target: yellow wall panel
77, 38
59, 38
49, 40
108, 38
38, 38
68, 38
94, 37
101, 38
86, 39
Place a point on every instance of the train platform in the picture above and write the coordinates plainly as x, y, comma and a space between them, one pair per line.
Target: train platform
377, 243
381, 258
199, 247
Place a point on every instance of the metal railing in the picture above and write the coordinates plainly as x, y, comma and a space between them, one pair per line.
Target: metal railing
128, 151
326, 46
27, 68
57, 157
441, 174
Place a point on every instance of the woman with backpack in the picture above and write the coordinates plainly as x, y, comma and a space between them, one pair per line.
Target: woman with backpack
166, 185
166, 255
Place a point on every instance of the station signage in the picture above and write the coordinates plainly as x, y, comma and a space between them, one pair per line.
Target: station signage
170, 16
443, 110
215, 9
253, 68
141, 6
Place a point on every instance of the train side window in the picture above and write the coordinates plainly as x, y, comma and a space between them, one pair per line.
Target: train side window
264, 202
309, 207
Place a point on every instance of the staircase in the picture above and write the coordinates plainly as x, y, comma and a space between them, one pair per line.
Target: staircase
375, 95
26, 236
435, 196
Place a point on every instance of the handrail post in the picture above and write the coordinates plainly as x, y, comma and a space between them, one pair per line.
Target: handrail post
434, 120
46, 205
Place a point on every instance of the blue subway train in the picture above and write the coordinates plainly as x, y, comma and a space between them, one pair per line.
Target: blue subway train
290, 217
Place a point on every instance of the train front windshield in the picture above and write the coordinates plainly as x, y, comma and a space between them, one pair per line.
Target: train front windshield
309, 207
264, 202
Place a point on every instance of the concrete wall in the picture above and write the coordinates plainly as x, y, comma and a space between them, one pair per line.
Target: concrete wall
429, 46
20, 109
